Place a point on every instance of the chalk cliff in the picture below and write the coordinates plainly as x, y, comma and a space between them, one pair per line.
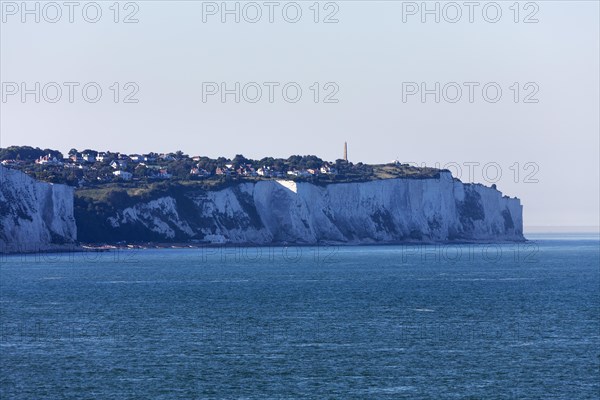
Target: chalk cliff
34, 215
439, 209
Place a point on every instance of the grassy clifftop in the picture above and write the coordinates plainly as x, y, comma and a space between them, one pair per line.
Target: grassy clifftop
144, 190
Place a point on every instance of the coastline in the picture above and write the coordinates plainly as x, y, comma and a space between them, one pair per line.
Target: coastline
106, 247
92, 247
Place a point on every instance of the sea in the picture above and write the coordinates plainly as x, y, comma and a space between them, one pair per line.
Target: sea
469, 321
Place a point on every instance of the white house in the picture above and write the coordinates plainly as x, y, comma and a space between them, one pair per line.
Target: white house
137, 158
326, 169
126, 176
264, 171
302, 173
48, 160
87, 157
119, 164
102, 157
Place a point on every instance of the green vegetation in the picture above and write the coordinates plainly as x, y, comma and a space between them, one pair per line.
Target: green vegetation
26, 153
391, 171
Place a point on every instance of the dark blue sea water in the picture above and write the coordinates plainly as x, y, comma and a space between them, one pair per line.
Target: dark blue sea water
381, 322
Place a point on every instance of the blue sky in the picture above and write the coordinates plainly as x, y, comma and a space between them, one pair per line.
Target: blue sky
366, 61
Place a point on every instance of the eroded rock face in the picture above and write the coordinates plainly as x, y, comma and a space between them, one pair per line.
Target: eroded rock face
34, 215
382, 211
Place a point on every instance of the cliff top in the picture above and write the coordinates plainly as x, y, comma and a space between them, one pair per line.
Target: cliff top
117, 192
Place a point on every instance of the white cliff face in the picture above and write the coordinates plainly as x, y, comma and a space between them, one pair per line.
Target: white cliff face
34, 215
382, 211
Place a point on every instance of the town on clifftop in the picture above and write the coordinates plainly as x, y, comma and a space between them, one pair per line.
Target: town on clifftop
96, 168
